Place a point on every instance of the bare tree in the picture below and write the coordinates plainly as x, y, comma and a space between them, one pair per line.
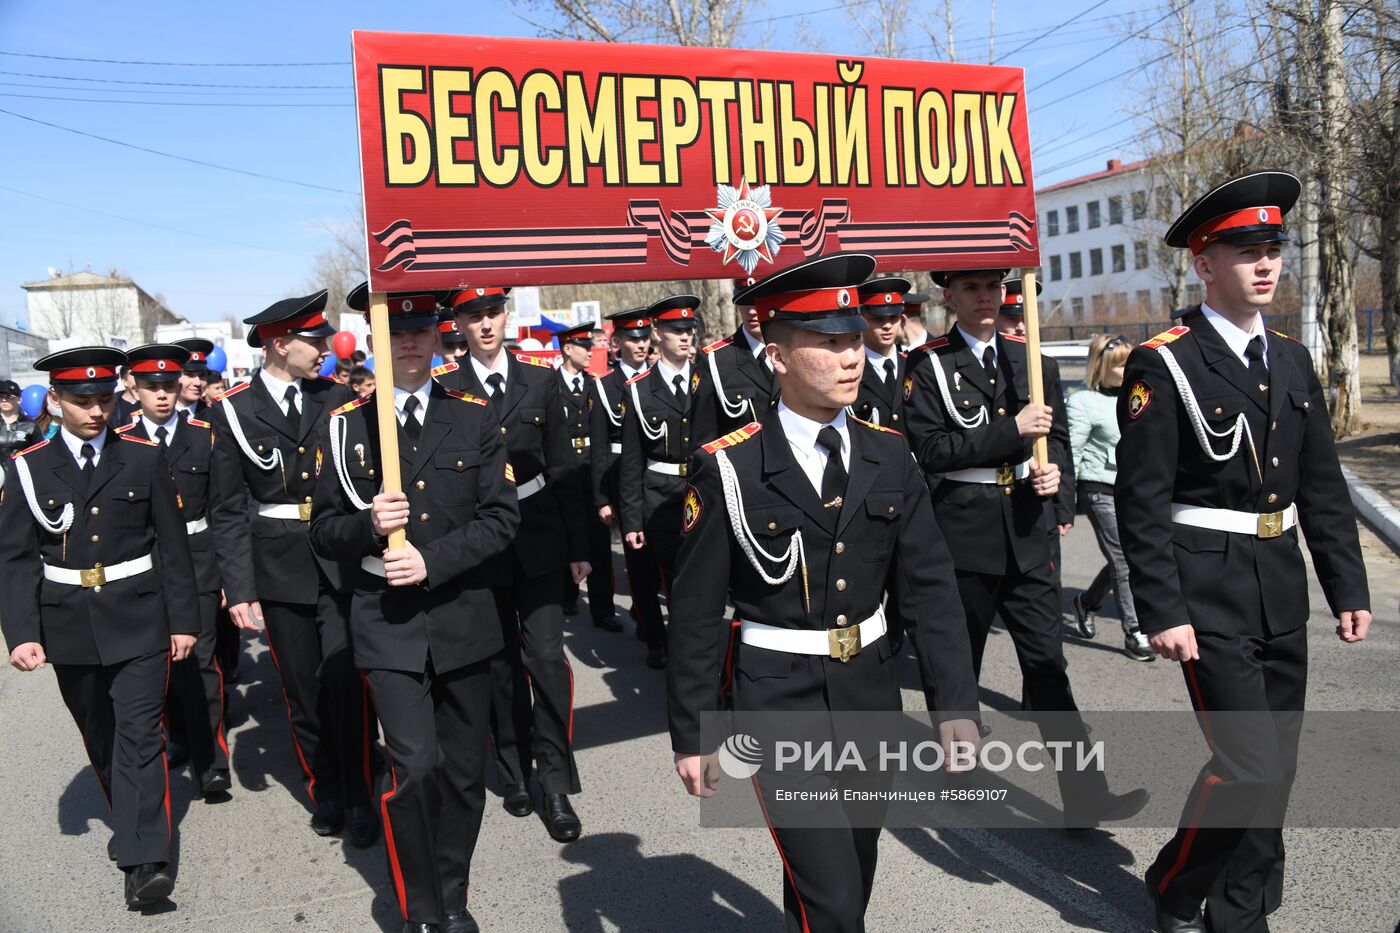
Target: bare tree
883, 25
341, 266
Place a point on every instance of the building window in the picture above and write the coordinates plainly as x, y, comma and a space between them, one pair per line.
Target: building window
1115, 209
1164, 204
1144, 301
1100, 305
1093, 214
1165, 296
1055, 270
1096, 262
1120, 301
1194, 293
1072, 219
1140, 254
1052, 223
1119, 258
1076, 266
1139, 205
1076, 307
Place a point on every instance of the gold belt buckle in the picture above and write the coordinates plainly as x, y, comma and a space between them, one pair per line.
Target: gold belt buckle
1006, 475
304, 511
97, 576
685, 468
844, 642
580, 443
1270, 524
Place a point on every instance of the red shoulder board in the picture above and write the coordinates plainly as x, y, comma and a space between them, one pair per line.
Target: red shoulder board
33, 448
232, 392
351, 405
718, 345
904, 354
444, 369
1013, 337
1166, 337
933, 344
1279, 333
124, 428
641, 375
876, 427
606, 374
475, 400
532, 361
195, 422
733, 437
139, 440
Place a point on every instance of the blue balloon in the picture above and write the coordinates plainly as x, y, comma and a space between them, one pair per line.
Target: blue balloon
368, 363
31, 401
437, 361
217, 360
328, 365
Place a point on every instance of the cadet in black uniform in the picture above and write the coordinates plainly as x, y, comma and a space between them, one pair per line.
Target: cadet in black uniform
196, 683
608, 401
1226, 448
848, 496
575, 390
454, 342
265, 465
80, 518
912, 331
881, 396
971, 425
194, 376
423, 620
736, 382
656, 445
549, 552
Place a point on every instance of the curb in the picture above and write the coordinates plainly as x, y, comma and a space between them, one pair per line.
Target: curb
1383, 517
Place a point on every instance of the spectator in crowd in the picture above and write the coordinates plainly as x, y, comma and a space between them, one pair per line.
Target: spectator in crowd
217, 386
359, 357
342, 370
362, 380
16, 431
1093, 432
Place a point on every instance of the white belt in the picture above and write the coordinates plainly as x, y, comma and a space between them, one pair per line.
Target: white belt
98, 575
374, 565
196, 526
615, 448
672, 469
840, 643
1256, 524
526, 490
293, 511
1000, 476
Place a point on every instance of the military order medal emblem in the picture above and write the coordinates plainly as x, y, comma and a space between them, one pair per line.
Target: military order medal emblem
691, 512
1139, 397
694, 381
908, 387
318, 461
743, 225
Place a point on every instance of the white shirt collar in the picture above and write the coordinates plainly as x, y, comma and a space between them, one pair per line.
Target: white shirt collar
802, 437
277, 388
169, 425
978, 347
629, 372
571, 380
482, 372
668, 374
877, 362
421, 393
1237, 340
75, 445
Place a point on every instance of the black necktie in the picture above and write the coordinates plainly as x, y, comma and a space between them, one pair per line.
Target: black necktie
291, 396
412, 427
163, 436
578, 385
497, 383
989, 365
890, 386
88, 453
834, 476
1254, 352
678, 383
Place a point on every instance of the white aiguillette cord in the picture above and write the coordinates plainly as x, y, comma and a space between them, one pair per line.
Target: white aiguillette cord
942, 377
338, 458
732, 411
1198, 424
651, 435
272, 460
26, 483
734, 503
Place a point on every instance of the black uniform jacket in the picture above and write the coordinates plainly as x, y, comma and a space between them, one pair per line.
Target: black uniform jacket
536, 430
881, 402
607, 399
1215, 580
1062, 506
269, 558
982, 520
885, 524
649, 494
744, 382
129, 507
191, 455
576, 418
462, 512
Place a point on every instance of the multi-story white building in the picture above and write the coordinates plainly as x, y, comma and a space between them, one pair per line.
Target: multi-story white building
84, 308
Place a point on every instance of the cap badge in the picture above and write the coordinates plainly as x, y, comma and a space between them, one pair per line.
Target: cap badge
843, 298
1263, 215
91, 373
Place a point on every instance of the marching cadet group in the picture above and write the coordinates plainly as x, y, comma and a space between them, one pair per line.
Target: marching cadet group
838, 489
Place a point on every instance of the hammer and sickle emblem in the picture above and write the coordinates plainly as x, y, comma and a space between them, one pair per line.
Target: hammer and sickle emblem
744, 224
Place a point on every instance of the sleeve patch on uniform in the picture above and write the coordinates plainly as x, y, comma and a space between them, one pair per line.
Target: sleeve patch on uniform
1139, 397
694, 381
908, 387
510, 473
692, 508
318, 461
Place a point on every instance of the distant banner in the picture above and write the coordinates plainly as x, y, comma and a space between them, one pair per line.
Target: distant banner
534, 162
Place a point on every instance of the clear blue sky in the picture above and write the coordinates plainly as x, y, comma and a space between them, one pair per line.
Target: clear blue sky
308, 135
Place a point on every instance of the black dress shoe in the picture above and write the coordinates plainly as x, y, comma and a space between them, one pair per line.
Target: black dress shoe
364, 828
610, 624
215, 782
461, 921
328, 819
1173, 919
656, 658
410, 927
516, 799
1110, 808
560, 819
112, 849
146, 884
1083, 617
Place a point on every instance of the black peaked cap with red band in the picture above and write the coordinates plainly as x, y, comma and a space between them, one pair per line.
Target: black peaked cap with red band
157, 362
1014, 305
447, 329
581, 334
83, 370
407, 310
198, 361
820, 295
1244, 210
681, 312
943, 277
478, 298
302, 317
884, 297
632, 322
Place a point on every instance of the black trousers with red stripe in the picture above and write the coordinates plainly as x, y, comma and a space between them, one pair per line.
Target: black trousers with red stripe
327, 701
601, 606
532, 685
196, 698
118, 709
435, 726
1217, 856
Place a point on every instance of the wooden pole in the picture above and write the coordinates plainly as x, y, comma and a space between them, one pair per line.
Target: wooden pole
1037, 380
384, 405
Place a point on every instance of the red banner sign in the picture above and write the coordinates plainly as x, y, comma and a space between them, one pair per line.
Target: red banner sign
517, 161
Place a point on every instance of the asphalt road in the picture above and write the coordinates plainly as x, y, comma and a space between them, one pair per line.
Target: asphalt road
251, 864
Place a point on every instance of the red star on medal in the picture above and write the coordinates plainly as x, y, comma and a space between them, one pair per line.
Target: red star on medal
769, 215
